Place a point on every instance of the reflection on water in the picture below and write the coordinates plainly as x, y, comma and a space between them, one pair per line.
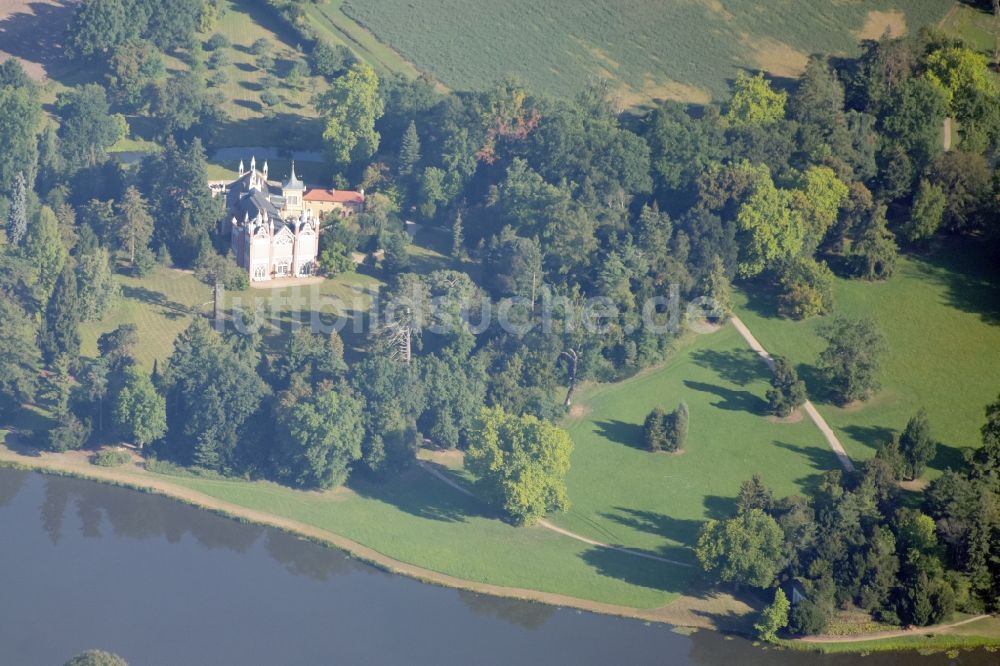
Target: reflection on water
84, 565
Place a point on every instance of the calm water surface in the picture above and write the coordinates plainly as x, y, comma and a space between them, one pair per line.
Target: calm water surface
83, 565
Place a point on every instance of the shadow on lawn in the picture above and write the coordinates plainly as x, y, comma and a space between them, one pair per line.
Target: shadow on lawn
419, 494
676, 529
173, 308
629, 434
733, 401
821, 459
642, 571
737, 366
972, 278
871, 436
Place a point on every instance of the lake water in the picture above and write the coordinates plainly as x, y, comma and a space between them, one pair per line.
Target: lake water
84, 565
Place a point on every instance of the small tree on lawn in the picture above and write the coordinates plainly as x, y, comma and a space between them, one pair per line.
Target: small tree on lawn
916, 444
852, 360
787, 391
678, 428
774, 618
654, 430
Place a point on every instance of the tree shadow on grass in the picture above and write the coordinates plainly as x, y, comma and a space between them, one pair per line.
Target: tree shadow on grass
150, 297
718, 507
762, 298
970, 275
871, 436
737, 366
420, 494
817, 385
731, 400
821, 459
681, 530
642, 571
948, 457
629, 434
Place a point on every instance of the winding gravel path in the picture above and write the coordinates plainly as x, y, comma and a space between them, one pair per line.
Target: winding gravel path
809, 408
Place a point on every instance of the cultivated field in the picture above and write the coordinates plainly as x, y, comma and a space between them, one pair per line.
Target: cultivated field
681, 49
941, 315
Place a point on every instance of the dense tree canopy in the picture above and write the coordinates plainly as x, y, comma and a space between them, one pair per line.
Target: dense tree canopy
521, 464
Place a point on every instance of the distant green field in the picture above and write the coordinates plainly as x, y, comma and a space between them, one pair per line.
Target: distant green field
683, 49
327, 19
941, 315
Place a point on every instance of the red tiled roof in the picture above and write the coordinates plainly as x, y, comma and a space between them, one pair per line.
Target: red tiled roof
334, 196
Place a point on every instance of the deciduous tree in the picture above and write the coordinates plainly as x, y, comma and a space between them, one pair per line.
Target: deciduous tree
521, 464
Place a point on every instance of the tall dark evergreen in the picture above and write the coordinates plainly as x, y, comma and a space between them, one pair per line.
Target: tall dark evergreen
17, 216
184, 211
916, 444
62, 318
409, 150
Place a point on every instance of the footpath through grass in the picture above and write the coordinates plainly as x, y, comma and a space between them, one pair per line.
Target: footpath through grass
625, 495
941, 315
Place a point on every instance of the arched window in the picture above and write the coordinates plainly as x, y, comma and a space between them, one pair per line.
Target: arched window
282, 269
260, 272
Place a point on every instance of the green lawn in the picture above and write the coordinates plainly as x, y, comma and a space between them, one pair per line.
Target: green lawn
164, 303
625, 495
420, 520
941, 315
682, 49
978, 27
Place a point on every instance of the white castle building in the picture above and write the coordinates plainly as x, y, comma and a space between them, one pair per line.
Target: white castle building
275, 227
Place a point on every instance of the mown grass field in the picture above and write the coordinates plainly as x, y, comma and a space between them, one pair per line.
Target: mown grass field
681, 49
163, 304
941, 316
623, 494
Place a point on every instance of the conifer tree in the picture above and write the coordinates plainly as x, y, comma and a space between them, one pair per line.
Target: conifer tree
654, 430
62, 318
787, 391
17, 218
916, 444
135, 224
409, 151
457, 237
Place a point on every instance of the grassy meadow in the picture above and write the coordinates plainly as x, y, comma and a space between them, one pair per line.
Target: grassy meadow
680, 49
941, 315
623, 494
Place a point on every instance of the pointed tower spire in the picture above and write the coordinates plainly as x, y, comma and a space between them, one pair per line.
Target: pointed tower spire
243, 169
253, 163
265, 169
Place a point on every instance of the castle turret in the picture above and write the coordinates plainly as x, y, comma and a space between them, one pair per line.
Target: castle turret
292, 190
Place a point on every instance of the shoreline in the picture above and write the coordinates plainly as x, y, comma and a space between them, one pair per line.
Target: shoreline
681, 614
